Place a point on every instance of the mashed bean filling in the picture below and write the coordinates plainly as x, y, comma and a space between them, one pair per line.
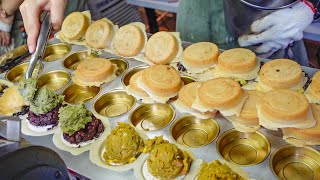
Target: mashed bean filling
91, 131
50, 118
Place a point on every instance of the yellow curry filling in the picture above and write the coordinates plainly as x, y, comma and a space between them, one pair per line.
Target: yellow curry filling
242, 82
123, 145
166, 160
217, 170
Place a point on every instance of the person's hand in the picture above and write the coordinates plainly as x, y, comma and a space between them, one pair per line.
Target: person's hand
4, 38
279, 29
31, 10
5, 28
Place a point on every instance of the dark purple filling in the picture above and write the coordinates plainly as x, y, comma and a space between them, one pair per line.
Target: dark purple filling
92, 130
181, 67
24, 111
308, 81
3, 87
261, 64
50, 118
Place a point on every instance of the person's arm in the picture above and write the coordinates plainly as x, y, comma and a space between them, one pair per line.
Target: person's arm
9, 7
7, 10
31, 11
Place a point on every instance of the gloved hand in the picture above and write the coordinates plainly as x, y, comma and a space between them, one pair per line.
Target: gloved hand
279, 29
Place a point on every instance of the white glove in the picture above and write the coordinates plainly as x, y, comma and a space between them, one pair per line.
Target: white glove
279, 29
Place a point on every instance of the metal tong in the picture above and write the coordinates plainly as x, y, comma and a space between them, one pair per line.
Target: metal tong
41, 46
10, 63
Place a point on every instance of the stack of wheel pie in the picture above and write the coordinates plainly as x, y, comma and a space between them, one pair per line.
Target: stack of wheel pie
158, 83
248, 93
94, 72
237, 85
77, 28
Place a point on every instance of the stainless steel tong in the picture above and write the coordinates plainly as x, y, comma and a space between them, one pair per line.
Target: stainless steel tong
41, 46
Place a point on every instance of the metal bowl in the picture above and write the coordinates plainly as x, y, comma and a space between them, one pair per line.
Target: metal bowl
57, 51
76, 94
54, 80
193, 132
18, 51
298, 163
151, 117
17, 73
243, 148
127, 76
121, 64
71, 62
114, 103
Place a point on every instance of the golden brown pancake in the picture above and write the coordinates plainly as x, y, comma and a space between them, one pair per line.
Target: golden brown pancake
238, 63
248, 120
238, 60
313, 91
161, 80
280, 74
11, 101
309, 136
220, 92
188, 93
249, 111
134, 86
187, 96
223, 94
74, 26
285, 104
162, 48
129, 40
201, 55
94, 72
99, 34
284, 108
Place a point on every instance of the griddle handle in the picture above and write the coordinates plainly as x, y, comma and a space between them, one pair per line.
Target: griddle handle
13, 127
